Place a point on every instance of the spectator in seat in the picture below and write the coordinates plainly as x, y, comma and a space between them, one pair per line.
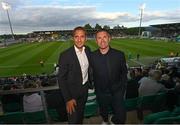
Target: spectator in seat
132, 86
32, 102
150, 85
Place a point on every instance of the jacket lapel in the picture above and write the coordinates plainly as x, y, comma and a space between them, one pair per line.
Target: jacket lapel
87, 53
75, 61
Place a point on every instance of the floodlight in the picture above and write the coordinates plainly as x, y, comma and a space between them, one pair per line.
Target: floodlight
6, 7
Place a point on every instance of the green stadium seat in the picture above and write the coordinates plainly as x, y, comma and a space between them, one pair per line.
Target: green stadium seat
159, 103
34, 117
150, 119
131, 104
165, 114
168, 120
54, 116
12, 107
29, 117
12, 118
152, 103
131, 108
178, 100
144, 103
176, 111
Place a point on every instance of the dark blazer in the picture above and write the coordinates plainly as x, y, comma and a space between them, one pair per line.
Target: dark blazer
70, 75
117, 71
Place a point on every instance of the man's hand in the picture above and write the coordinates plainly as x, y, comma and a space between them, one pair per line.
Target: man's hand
70, 106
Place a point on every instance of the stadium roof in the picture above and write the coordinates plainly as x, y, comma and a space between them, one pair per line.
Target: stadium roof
170, 26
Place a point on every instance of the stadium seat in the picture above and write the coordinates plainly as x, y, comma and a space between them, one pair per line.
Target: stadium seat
54, 116
131, 107
144, 103
159, 103
178, 100
168, 120
34, 117
131, 104
12, 118
165, 114
12, 107
152, 103
150, 119
176, 111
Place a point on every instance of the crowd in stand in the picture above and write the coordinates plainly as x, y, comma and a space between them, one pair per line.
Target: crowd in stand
31, 101
9, 83
150, 80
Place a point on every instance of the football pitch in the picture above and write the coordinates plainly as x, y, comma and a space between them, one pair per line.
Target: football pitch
25, 57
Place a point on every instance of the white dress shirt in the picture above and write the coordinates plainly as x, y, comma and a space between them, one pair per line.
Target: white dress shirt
84, 64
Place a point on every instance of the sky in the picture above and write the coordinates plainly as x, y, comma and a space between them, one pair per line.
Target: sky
36, 15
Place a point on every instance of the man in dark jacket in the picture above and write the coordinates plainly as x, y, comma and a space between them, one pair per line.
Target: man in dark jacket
110, 78
73, 76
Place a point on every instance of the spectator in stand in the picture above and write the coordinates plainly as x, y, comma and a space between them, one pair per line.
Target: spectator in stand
165, 79
132, 86
150, 85
138, 74
32, 101
173, 74
145, 72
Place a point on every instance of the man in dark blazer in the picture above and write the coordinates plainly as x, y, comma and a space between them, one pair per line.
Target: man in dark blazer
110, 79
73, 76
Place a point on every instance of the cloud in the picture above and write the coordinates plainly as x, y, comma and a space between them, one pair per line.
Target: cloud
28, 18
163, 15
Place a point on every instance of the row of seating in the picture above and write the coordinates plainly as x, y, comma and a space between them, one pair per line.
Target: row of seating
164, 117
28, 117
153, 102
170, 115
168, 120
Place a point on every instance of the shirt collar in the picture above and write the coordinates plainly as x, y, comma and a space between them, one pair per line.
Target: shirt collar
77, 50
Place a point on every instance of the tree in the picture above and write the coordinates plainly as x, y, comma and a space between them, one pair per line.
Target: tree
117, 27
132, 31
88, 26
97, 27
106, 27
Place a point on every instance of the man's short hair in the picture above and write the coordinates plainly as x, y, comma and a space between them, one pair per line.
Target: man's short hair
102, 30
79, 28
155, 74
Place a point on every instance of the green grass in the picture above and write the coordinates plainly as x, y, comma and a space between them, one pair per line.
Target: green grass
24, 58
